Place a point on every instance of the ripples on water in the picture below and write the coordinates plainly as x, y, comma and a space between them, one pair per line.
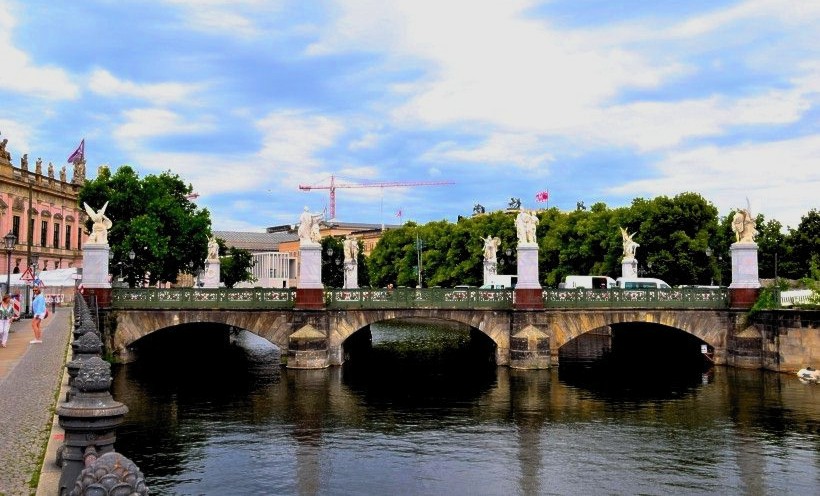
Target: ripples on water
425, 412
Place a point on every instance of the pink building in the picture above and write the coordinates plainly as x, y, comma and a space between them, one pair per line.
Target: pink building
39, 206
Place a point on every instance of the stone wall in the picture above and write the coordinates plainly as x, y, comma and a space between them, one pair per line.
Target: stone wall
789, 339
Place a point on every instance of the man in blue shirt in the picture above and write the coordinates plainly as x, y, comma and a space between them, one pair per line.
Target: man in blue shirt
38, 308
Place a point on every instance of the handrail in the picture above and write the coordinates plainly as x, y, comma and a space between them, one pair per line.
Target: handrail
446, 298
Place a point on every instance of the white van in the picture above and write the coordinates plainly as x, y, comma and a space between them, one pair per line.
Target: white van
589, 282
641, 283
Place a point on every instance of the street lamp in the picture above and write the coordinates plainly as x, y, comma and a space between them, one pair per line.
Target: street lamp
131, 256
708, 252
10, 239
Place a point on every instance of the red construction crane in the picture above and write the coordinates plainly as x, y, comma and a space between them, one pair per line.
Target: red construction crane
395, 184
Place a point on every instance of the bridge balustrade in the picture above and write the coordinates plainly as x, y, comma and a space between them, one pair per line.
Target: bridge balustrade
364, 298
203, 298
636, 298
419, 298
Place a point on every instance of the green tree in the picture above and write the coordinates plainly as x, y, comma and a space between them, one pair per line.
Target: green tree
235, 266
803, 247
153, 218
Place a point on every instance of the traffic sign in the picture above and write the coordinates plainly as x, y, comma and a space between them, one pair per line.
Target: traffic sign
28, 275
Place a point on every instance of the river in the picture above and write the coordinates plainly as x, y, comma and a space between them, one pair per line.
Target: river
423, 412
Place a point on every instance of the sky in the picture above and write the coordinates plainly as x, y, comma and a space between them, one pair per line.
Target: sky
472, 102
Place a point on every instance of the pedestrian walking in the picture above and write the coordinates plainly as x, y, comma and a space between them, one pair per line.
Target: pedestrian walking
38, 308
6, 315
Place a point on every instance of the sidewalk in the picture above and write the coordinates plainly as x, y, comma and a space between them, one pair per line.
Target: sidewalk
30, 378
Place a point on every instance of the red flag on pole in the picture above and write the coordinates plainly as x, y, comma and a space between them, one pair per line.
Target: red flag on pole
79, 153
542, 196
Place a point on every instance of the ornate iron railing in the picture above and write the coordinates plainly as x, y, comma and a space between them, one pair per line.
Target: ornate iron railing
636, 298
203, 298
263, 298
419, 298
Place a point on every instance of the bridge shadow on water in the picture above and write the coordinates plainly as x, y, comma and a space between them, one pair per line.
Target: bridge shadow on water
195, 355
635, 362
419, 363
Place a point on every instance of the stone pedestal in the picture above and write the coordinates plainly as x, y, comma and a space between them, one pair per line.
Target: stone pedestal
490, 269
351, 275
528, 267
95, 266
210, 277
629, 267
310, 266
745, 286
528, 289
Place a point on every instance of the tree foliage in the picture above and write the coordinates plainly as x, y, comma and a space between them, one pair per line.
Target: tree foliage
153, 218
682, 240
235, 266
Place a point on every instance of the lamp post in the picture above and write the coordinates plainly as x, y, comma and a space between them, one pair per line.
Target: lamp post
10, 239
708, 252
131, 256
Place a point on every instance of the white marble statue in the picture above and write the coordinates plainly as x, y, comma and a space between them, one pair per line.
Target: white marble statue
630, 246
525, 225
351, 248
491, 245
213, 249
99, 231
309, 227
743, 224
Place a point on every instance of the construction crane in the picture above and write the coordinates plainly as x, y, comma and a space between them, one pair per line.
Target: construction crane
395, 184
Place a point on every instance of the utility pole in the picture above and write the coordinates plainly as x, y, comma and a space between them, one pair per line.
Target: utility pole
29, 235
418, 254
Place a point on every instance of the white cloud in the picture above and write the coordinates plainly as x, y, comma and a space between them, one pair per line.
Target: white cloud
104, 83
291, 140
151, 122
20, 74
780, 178
236, 18
525, 151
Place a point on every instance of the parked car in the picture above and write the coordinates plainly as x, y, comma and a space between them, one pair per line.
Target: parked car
641, 283
589, 282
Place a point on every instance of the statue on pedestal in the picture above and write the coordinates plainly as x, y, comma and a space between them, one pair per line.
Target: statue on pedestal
99, 231
213, 249
351, 248
525, 225
743, 225
309, 227
630, 246
491, 245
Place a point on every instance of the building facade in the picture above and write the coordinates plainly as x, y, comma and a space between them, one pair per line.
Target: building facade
40, 208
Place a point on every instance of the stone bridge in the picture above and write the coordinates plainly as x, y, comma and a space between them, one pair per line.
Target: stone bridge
522, 338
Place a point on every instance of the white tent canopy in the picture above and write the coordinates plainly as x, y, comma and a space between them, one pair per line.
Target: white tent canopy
56, 278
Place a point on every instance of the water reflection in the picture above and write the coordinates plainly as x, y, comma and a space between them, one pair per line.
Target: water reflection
402, 418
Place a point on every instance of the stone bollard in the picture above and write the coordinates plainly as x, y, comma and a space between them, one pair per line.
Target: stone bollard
110, 474
89, 420
86, 346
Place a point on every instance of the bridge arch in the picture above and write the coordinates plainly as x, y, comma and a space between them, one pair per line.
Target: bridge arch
132, 325
708, 326
493, 324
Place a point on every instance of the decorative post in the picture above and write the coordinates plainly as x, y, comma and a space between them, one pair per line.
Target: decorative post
89, 419
351, 263
629, 264
745, 286
95, 257
309, 287
528, 289
210, 277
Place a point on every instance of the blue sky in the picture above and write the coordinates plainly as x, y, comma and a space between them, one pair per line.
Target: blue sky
592, 100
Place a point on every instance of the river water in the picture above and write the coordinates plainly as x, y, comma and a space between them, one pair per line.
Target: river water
424, 412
